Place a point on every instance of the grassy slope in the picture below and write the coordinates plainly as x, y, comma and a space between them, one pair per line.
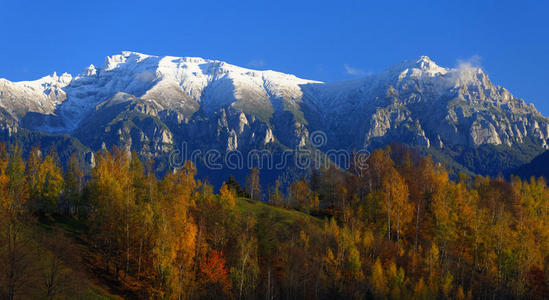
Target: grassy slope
74, 230
273, 223
279, 219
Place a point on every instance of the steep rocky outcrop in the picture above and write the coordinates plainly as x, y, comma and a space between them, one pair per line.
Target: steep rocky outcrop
155, 104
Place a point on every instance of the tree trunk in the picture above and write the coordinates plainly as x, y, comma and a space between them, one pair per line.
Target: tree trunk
417, 226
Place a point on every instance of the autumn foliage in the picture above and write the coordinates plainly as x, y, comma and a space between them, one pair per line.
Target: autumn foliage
403, 228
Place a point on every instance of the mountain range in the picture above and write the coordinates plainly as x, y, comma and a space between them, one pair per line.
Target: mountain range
154, 105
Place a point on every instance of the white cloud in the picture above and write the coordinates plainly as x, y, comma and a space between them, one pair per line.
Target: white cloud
353, 71
145, 76
256, 63
468, 64
466, 69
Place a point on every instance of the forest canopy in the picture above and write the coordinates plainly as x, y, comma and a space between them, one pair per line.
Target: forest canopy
399, 229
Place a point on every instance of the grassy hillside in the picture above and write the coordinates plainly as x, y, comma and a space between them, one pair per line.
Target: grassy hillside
282, 216
52, 256
272, 224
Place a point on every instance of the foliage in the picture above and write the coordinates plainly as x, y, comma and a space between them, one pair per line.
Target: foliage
400, 229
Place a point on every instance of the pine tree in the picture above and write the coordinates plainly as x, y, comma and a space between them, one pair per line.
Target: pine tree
235, 186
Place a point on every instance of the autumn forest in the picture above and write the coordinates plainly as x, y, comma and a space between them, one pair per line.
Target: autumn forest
403, 228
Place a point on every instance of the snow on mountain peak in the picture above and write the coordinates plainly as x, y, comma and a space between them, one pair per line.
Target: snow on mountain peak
189, 83
47, 81
112, 62
64, 78
425, 65
425, 70
174, 83
414, 68
89, 71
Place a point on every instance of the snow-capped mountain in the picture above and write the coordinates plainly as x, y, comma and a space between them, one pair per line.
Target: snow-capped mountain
431, 106
153, 104
42, 95
182, 84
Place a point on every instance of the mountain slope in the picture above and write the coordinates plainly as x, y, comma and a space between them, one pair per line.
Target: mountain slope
538, 167
437, 105
155, 104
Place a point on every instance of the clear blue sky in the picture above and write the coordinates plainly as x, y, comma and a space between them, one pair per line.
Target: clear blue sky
329, 41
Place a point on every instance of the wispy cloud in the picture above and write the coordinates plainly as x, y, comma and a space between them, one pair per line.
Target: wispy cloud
353, 71
470, 63
256, 63
466, 69
145, 76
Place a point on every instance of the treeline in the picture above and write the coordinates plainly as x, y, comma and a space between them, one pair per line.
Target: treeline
399, 229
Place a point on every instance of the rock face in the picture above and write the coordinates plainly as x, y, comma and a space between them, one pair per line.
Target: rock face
423, 104
155, 104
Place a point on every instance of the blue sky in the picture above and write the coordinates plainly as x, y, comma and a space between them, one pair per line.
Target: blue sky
329, 41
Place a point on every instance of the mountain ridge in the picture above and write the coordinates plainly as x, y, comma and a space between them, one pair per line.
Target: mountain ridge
152, 104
